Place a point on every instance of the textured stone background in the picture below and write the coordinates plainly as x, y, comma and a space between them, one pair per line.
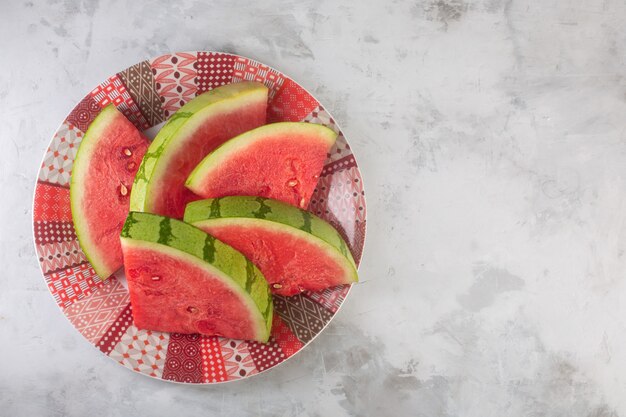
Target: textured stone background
491, 137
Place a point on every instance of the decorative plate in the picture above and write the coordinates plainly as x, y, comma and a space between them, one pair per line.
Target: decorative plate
148, 93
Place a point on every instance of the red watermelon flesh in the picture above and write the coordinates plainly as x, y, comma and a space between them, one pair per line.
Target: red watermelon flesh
289, 262
102, 176
182, 280
174, 196
190, 134
282, 161
171, 295
294, 249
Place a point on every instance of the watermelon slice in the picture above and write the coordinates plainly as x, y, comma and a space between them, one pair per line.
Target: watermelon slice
190, 134
282, 161
183, 280
102, 175
294, 249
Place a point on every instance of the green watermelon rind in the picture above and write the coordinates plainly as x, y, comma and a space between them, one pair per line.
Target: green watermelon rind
180, 126
275, 215
80, 167
190, 244
251, 138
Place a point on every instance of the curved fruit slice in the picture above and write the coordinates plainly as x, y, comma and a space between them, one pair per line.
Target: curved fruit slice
102, 175
294, 249
190, 134
183, 280
280, 160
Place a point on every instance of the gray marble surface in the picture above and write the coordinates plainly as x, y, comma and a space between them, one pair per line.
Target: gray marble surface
492, 141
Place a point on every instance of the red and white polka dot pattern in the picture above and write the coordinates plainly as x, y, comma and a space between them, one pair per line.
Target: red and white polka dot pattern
266, 355
290, 104
250, 70
213, 369
52, 203
288, 342
214, 69
52, 232
114, 333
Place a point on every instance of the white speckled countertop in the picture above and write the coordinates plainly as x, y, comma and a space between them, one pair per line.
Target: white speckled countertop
491, 137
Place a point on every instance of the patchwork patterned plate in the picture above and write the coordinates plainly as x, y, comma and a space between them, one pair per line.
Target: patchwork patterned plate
148, 93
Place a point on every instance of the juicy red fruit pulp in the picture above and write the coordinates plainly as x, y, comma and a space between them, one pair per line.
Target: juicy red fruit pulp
106, 194
173, 295
169, 195
284, 167
289, 263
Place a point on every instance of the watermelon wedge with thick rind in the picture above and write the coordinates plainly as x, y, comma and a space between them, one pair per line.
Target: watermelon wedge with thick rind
100, 185
183, 280
190, 134
282, 161
294, 249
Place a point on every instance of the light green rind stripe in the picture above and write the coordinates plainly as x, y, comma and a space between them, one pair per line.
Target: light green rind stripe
266, 209
174, 133
79, 172
230, 264
295, 130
